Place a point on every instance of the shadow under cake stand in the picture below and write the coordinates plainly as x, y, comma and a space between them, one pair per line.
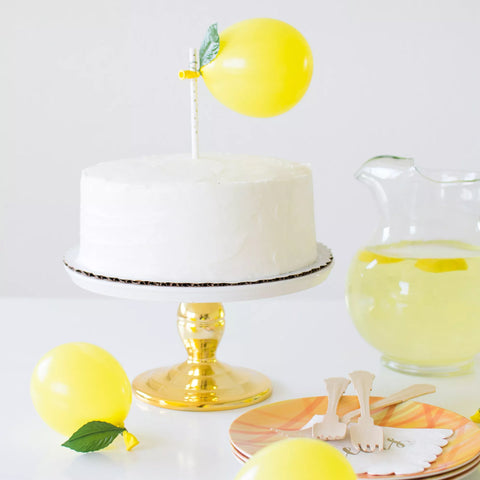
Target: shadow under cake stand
202, 382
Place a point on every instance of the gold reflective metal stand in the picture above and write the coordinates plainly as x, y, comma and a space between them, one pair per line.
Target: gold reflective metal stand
201, 382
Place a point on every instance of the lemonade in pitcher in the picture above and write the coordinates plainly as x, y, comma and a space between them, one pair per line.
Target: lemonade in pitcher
415, 294
418, 302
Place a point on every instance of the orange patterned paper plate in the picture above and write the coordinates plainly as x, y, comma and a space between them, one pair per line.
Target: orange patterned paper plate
255, 429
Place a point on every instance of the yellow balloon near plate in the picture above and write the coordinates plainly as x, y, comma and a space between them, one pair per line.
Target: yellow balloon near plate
263, 67
76, 383
299, 459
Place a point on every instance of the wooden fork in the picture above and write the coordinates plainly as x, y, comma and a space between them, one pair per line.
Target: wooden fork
364, 434
331, 428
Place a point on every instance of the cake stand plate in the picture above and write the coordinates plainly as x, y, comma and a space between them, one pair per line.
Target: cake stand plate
136, 289
201, 382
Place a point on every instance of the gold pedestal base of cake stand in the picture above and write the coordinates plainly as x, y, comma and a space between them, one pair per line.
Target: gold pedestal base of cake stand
202, 382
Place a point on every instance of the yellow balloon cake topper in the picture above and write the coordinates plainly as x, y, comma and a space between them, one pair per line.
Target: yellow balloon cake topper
260, 67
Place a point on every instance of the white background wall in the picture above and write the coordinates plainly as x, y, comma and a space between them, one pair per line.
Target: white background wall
92, 80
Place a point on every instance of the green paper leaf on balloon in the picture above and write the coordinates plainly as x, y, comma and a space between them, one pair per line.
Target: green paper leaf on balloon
210, 45
93, 436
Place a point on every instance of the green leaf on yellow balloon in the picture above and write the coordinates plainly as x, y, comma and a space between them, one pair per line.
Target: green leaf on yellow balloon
210, 45
93, 436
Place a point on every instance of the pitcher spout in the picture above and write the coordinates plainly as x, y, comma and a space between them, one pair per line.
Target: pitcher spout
384, 167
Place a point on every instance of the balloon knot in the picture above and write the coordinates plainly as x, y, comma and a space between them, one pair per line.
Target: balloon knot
187, 74
130, 440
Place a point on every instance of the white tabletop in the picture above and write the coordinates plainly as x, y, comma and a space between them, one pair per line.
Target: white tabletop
291, 339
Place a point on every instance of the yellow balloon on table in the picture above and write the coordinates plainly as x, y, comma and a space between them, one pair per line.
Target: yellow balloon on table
76, 383
299, 459
263, 67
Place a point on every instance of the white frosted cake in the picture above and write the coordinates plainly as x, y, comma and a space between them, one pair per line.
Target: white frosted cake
220, 218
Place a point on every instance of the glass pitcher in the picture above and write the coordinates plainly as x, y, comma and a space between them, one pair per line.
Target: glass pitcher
414, 291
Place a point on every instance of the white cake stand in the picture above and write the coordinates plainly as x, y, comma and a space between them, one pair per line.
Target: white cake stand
201, 382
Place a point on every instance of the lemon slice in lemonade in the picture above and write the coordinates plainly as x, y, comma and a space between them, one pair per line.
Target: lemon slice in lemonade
441, 265
367, 257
